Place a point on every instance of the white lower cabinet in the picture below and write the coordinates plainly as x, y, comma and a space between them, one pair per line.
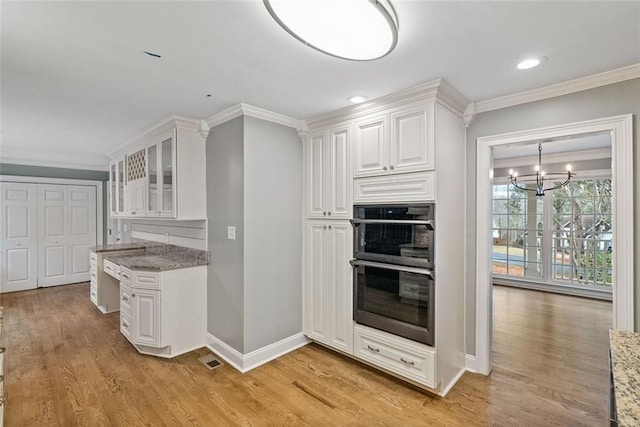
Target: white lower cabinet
163, 313
328, 284
147, 315
409, 359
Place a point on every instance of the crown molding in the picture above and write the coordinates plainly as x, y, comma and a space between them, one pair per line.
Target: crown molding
162, 125
257, 113
440, 88
564, 88
44, 161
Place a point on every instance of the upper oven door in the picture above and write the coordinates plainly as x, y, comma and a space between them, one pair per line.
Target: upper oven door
401, 235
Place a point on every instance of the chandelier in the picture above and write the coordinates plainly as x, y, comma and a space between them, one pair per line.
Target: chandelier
540, 176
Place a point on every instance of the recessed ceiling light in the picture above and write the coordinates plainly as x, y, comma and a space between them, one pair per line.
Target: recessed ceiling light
360, 30
530, 63
357, 99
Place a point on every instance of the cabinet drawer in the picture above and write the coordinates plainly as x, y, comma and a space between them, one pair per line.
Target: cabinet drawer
93, 259
125, 275
111, 269
93, 273
145, 280
398, 355
93, 293
126, 299
126, 325
406, 187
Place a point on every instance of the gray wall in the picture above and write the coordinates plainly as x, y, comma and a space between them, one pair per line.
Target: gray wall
49, 172
273, 233
610, 100
225, 206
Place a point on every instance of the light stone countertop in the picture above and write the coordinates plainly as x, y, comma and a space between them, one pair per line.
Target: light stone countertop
625, 360
160, 258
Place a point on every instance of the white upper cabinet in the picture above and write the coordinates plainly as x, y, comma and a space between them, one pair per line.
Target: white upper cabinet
161, 196
116, 187
412, 139
328, 173
371, 147
407, 147
162, 175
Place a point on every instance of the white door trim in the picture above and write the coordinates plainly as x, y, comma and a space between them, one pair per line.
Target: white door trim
621, 128
45, 180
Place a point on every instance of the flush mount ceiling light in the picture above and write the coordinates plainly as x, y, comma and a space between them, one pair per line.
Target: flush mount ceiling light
530, 63
357, 99
359, 30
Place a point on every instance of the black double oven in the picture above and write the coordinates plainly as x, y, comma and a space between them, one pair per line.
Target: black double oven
394, 278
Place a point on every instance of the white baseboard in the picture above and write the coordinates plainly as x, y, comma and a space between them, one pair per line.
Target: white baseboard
249, 361
470, 363
453, 382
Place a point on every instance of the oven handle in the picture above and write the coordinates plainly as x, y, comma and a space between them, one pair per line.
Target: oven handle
415, 270
429, 223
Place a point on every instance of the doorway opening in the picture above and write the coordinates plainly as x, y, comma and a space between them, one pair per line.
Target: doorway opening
620, 130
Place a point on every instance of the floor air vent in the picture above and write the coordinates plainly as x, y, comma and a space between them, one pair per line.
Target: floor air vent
210, 361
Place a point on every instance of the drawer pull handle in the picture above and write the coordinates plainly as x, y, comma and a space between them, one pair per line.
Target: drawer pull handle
124, 276
2, 349
407, 362
3, 399
126, 325
375, 350
125, 299
414, 289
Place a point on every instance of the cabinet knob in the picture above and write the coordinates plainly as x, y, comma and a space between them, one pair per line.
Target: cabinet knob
391, 167
329, 227
384, 168
329, 213
324, 227
324, 213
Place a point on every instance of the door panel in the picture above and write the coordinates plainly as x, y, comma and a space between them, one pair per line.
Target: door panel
371, 155
341, 287
83, 232
18, 237
53, 225
146, 317
18, 265
316, 293
340, 203
315, 158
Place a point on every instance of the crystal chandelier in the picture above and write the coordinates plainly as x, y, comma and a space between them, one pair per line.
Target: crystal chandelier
540, 176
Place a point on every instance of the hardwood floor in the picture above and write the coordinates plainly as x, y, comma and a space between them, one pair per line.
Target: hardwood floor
67, 364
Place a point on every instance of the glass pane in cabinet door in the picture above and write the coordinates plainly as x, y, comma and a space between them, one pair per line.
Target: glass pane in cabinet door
167, 175
121, 186
152, 159
113, 176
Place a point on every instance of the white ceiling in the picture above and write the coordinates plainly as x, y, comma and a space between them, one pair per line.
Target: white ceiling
76, 84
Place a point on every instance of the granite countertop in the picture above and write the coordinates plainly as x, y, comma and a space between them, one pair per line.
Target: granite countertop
125, 246
625, 360
160, 258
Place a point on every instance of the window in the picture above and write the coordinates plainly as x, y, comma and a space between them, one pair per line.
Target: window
561, 238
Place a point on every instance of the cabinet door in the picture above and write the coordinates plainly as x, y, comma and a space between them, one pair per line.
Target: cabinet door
341, 285
412, 139
120, 186
167, 174
146, 317
316, 298
371, 148
315, 154
154, 181
338, 173
113, 188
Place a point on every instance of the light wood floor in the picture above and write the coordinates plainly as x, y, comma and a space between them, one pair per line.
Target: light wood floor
67, 364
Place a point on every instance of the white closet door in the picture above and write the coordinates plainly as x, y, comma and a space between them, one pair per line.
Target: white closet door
54, 226
82, 231
18, 237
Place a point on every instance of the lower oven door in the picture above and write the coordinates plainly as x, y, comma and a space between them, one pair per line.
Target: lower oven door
395, 298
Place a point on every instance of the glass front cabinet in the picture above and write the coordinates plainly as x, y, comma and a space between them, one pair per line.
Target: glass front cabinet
161, 160
116, 187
